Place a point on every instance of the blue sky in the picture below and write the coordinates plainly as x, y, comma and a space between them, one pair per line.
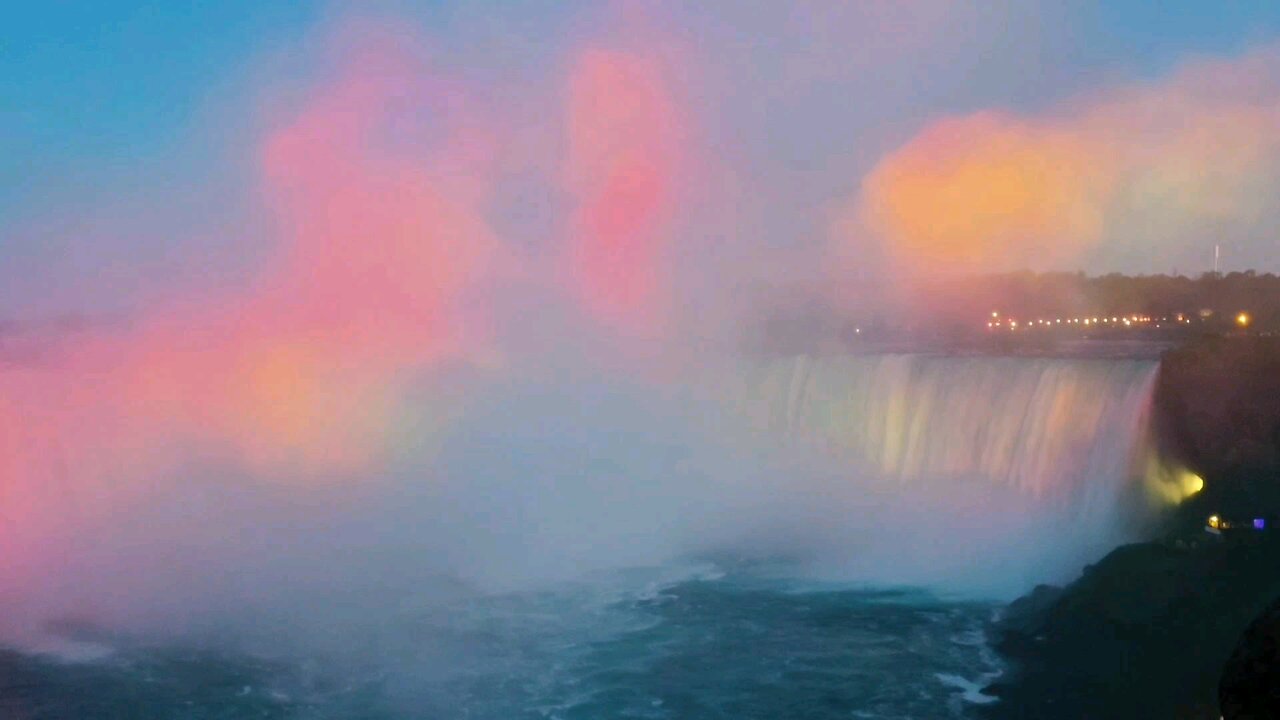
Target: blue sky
114, 110
85, 82
1154, 36
104, 82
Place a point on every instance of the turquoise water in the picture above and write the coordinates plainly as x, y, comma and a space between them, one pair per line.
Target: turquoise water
630, 645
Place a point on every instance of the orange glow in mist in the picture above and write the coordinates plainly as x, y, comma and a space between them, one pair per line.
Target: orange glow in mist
987, 191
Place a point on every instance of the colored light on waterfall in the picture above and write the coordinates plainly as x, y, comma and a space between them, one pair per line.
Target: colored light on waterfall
1259, 524
1172, 484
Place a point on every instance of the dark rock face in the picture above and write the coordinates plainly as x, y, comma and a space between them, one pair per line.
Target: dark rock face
1144, 633
1147, 631
1250, 685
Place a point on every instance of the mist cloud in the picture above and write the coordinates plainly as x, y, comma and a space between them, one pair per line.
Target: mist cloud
413, 377
1144, 176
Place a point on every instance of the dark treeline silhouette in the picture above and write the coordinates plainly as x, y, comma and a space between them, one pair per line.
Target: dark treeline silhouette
956, 310
1223, 296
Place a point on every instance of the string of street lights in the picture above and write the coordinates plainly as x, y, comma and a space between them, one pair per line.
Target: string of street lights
1000, 322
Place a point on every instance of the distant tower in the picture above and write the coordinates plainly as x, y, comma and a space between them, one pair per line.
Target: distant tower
1216, 248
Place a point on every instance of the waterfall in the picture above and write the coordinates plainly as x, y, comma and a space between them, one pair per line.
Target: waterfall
1063, 444
985, 475
1051, 428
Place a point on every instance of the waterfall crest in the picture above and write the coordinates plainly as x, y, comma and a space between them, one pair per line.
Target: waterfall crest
1065, 443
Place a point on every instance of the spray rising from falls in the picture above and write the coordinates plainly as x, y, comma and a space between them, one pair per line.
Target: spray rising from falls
981, 475
593, 523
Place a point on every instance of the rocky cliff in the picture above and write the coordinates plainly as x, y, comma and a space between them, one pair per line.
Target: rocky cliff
1147, 631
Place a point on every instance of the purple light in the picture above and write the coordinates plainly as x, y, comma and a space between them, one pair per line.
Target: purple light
1259, 524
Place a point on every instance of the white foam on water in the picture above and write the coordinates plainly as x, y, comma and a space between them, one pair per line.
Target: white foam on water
971, 692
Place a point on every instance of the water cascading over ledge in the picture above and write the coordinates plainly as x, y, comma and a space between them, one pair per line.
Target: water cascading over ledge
1069, 438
